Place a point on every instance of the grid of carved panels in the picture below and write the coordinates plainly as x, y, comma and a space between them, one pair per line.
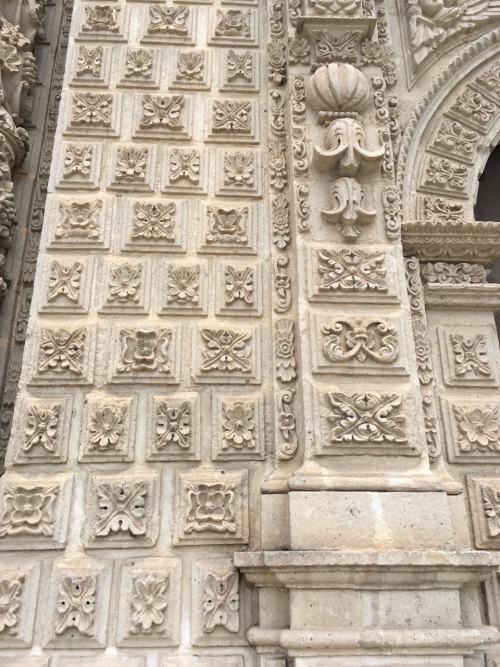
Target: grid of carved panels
140, 436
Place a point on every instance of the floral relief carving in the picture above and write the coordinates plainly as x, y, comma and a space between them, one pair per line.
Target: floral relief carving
173, 425
231, 116
277, 108
79, 220
278, 177
168, 20
285, 351
299, 51
144, 350
148, 603
444, 273
347, 340
190, 66
233, 23
351, 271
221, 602
131, 164
121, 508
124, 283
42, 426
10, 600
64, 280
154, 221
162, 112
491, 505
139, 62
61, 351
366, 418
276, 53
92, 109
239, 65
337, 7
422, 350
107, 427
491, 79
454, 138
280, 218
210, 507
478, 428
471, 104
226, 350
89, 61
28, 510
184, 165
227, 226
287, 426
184, 284
239, 169
238, 425
446, 174
239, 285
470, 355
438, 210
101, 18
282, 284
76, 604
77, 160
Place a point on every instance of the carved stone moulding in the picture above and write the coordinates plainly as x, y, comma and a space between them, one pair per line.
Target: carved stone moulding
423, 574
468, 297
335, 39
452, 241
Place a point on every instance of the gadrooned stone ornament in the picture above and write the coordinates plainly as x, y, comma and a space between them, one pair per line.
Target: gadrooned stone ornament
338, 87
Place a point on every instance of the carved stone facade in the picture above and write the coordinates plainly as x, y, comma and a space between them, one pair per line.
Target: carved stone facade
258, 419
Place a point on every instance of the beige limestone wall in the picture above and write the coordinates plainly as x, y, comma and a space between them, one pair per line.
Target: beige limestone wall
257, 421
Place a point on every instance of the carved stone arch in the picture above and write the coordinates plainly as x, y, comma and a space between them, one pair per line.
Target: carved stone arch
449, 136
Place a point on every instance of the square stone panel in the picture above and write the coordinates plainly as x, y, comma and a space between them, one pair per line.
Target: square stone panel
67, 284
150, 600
190, 69
19, 586
92, 114
239, 70
41, 430
155, 225
96, 661
238, 427
125, 286
168, 25
185, 169
352, 275
139, 67
77, 606
183, 288
149, 355
107, 23
173, 427
228, 228
220, 609
79, 223
346, 344
90, 66
34, 512
356, 423
122, 510
63, 356
484, 499
227, 356
471, 430
467, 356
239, 288
211, 507
108, 429
80, 167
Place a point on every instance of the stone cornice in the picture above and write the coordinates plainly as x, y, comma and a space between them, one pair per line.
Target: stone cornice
452, 241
